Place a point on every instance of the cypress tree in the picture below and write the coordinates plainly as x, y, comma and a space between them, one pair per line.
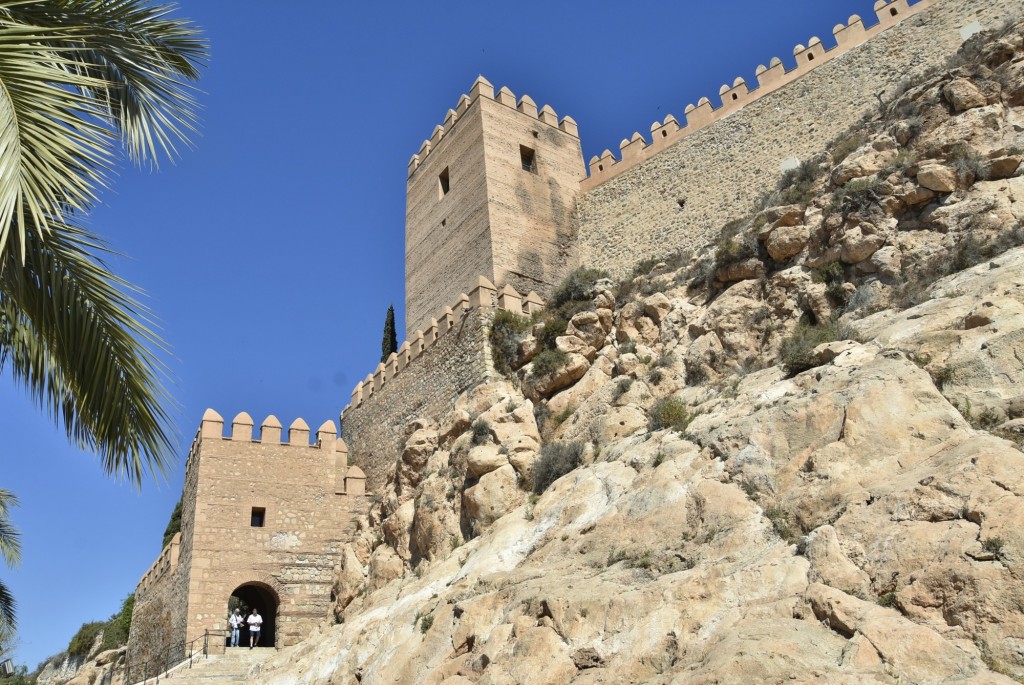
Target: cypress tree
389, 343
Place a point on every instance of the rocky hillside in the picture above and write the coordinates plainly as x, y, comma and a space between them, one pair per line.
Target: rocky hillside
793, 457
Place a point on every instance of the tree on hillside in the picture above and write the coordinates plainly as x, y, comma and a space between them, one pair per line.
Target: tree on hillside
389, 343
81, 82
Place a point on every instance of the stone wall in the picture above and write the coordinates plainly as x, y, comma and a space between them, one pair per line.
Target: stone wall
718, 172
160, 616
374, 427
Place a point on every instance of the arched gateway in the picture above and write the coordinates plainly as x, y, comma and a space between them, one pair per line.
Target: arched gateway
262, 521
263, 598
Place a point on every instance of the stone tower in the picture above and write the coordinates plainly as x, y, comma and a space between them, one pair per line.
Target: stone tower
492, 193
263, 520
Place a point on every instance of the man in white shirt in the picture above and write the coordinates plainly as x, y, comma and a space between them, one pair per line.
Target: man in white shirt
254, 621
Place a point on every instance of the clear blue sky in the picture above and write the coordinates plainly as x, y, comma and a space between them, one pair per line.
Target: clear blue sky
271, 252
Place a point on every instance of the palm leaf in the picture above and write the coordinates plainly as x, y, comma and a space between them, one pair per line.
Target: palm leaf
84, 349
10, 547
7, 608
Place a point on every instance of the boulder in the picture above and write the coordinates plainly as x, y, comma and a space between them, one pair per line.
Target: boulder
938, 177
963, 95
656, 306
786, 241
484, 459
587, 326
496, 494
568, 373
741, 270
1002, 167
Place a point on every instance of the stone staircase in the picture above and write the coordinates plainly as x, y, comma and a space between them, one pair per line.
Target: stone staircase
229, 668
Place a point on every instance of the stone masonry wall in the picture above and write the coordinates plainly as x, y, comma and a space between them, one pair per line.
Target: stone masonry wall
310, 497
718, 172
374, 428
160, 616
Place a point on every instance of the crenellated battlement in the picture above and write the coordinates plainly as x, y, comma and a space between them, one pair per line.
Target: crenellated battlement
164, 564
484, 296
351, 481
853, 33
482, 88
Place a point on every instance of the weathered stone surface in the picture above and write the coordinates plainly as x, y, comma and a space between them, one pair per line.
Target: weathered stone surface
964, 95
786, 241
741, 270
493, 496
937, 177
656, 306
484, 459
587, 326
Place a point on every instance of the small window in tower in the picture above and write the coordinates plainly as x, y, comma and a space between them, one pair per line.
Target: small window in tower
443, 184
893, 11
810, 57
735, 96
259, 517
528, 158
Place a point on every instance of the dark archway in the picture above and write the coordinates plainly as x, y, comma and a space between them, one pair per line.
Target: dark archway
263, 599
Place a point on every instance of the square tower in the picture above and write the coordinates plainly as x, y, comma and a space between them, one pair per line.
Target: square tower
492, 193
263, 520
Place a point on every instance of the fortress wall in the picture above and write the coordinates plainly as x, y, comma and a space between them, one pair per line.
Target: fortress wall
158, 619
720, 170
160, 616
375, 428
531, 213
426, 376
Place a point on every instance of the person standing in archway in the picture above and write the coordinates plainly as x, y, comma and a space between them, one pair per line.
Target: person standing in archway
236, 622
254, 621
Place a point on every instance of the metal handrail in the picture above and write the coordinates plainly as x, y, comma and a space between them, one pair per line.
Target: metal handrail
171, 657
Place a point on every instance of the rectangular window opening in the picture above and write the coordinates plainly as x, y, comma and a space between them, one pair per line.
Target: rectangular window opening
443, 184
259, 517
528, 158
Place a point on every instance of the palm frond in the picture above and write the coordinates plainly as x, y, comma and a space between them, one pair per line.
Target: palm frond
146, 59
84, 348
7, 608
10, 546
55, 150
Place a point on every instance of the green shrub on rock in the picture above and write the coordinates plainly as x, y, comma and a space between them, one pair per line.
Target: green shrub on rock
797, 349
556, 460
671, 412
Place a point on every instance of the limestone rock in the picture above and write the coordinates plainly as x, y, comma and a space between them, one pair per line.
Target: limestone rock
587, 327
937, 177
964, 95
496, 494
385, 566
622, 422
571, 371
786, 241
741, 270
1002, 167
656, 306
484, 459
864, 161
856, 245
